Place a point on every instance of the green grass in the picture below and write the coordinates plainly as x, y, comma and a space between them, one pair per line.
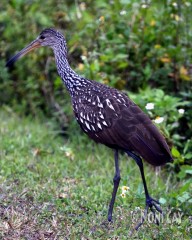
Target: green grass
59, 188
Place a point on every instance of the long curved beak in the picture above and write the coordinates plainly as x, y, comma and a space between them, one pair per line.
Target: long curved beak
29, 48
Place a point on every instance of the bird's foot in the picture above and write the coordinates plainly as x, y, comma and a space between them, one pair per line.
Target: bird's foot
151, 204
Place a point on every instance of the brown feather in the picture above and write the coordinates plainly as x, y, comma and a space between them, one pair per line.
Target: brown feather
121, 124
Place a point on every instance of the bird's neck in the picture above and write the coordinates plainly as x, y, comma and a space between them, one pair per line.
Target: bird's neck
70, 78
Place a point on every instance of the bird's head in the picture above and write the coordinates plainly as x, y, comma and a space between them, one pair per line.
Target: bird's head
48, 37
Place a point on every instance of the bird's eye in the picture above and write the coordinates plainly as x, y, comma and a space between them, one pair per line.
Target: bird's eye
42, 37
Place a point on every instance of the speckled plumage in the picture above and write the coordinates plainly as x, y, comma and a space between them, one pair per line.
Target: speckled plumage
107, 116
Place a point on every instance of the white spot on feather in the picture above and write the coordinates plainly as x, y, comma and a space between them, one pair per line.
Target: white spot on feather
110, 105
101, 115
98, 99
104, 123
87, 125
99, 126
100, 105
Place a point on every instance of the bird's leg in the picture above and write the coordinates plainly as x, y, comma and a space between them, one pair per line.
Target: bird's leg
151, 203
116, 181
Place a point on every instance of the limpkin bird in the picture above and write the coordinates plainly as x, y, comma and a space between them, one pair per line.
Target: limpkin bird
108, 117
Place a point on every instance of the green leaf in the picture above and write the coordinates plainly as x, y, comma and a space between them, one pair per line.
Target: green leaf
175, 152
188, 156
185, 169
162, 200
184, 197
189, 171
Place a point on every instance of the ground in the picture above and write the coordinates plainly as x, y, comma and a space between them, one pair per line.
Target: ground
54, 187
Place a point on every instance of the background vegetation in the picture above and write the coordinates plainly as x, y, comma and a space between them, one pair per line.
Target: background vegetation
140, 47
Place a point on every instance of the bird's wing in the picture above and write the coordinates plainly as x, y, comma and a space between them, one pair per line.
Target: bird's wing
116, 121
134, 131
95, 113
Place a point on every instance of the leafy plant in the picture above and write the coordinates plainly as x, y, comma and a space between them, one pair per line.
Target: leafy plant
143, 46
